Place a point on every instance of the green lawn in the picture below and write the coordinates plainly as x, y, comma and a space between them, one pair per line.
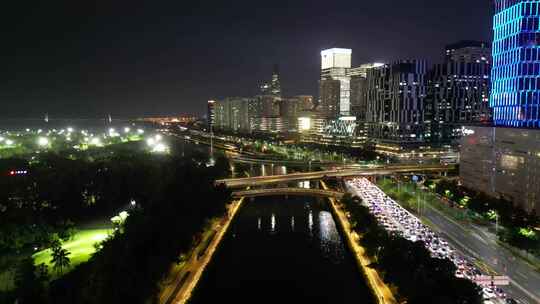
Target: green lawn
81, 247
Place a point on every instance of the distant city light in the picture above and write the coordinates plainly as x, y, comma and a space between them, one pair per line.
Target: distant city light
304, 123
43, 141
9, 142
95, 141
112, 133
160, 148
18, 172
140, 131
126, 130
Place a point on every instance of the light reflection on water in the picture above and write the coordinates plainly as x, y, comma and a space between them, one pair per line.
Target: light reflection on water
289, 251
317, 224
310, 222
331, 243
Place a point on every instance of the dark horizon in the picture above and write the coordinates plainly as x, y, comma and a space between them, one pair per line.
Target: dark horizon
90, 59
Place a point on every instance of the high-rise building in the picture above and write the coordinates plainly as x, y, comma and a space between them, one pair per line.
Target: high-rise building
269, 124
266, 106
233, 114
397, 115
359, 90
329, 95
458, 90
516, 64
335, 65
290, 109
468, 51
210, 114
273, 87
396, 99
306, 102
504, 161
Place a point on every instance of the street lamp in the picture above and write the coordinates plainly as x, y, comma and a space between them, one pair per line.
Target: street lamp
43, 141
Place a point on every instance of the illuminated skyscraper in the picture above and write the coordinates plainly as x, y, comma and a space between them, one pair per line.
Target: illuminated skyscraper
458, 90
273, 87
516, 63
211, 113
335, 65
504, 161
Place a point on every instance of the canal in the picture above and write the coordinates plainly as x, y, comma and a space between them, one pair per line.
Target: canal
283, 250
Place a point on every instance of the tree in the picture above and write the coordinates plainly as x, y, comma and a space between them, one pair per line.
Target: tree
29, 282
60, 258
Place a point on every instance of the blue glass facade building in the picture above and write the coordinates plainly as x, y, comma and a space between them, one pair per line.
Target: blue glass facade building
515, 97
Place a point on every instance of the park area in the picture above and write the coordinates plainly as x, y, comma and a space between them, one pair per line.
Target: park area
81, 247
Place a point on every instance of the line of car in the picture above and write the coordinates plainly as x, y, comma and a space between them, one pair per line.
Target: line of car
397, 219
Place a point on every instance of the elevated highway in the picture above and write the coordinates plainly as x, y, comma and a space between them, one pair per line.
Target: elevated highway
287, 191
341, 173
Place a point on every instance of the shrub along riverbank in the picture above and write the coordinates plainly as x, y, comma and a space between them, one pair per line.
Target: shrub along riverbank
407, 266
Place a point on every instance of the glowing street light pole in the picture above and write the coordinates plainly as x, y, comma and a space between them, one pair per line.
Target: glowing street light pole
43, 141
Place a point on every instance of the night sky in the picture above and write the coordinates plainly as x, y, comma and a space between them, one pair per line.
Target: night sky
134, 58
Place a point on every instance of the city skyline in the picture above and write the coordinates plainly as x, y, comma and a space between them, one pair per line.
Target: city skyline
318, 152
134, 60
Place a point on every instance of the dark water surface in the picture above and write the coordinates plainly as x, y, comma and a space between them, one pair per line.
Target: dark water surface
282, 250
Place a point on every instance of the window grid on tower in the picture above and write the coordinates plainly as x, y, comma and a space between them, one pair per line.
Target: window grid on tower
516, 63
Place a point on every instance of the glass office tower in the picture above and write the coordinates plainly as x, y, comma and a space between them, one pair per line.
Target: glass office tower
516, 64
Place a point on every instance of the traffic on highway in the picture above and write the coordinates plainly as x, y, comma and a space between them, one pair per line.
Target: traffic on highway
396, 219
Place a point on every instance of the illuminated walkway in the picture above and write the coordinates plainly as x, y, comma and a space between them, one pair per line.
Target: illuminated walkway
381, 291
186, 278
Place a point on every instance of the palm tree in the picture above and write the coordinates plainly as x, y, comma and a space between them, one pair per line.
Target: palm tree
60, 259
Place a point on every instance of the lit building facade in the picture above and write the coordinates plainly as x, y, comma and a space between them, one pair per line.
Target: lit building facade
458, 90
210, 114
269, 125
395, 110
468, 51
273, 87
233, 114
359, 95
335, 65
315, 128
503, 162
516, 64
329, 95
290, 109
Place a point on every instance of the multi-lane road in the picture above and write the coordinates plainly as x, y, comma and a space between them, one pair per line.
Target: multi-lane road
482, 245
379, 170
